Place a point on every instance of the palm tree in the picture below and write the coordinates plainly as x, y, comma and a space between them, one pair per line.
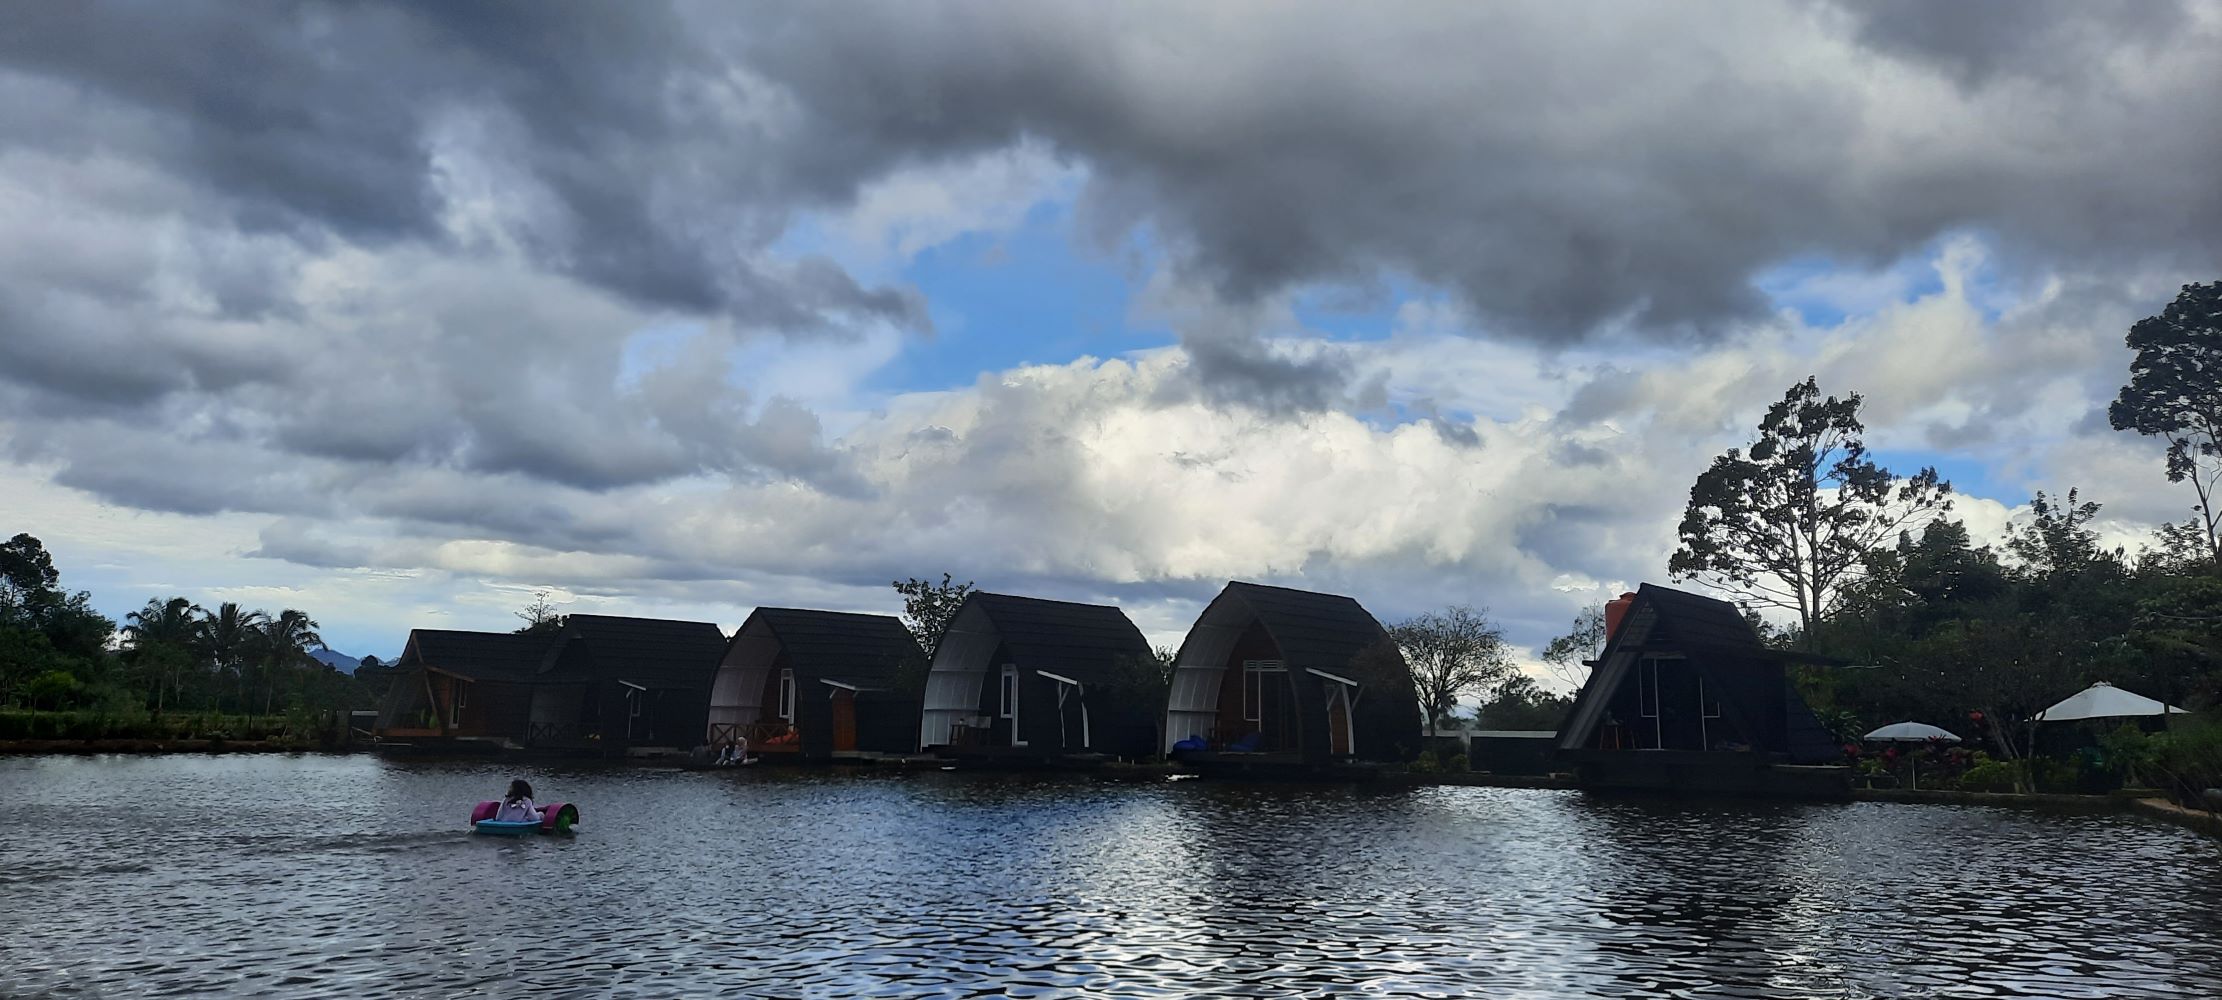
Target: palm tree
227, 637
173, 623
285, 642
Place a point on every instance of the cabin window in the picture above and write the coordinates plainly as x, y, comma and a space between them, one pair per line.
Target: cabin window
1254, 678
1009, 702
1647, 690
787, 695
633, 699
462, 697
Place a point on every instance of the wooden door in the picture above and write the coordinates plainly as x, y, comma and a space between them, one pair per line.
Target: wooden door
844, 720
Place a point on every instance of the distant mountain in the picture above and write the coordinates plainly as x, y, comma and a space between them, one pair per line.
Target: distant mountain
336, 660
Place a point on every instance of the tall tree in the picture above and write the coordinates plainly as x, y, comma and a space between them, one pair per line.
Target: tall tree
226, 639
29, 583
1452, 652
1790, 520
284, 646
70, 637
161, 637
928, 606
2175, 393
1585, 641
540, 616
1522, 704
2056, 541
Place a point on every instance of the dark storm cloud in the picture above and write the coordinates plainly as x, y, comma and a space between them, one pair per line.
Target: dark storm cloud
320, 119
393, 263
1239, 370
1976, 40
1561, 171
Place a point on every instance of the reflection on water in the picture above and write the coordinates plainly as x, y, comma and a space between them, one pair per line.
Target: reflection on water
316, 876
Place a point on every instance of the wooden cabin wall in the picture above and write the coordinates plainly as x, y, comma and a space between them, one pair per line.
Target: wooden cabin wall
678, 717
560, 714
405, 708
1283, 733
813, 715
887, 722
497, 708
1386, 723
991, 701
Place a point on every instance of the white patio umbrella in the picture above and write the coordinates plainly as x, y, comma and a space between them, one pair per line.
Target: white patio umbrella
1911, 732
2105, 701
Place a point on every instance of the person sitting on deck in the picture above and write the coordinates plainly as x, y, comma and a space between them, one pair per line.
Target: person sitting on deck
736, 751
517, 807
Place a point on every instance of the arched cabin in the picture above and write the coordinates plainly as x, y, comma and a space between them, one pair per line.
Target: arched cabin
1686, 698
1021, 678
596, 685
615, 682
1274, 675
454, 685
815, 685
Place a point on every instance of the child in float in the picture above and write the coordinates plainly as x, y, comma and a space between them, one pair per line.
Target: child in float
517, 807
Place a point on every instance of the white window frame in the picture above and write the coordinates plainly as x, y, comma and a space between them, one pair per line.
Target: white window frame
1253, 687
462, 698
787, 694
1009, 697
1647, 680
1707, 711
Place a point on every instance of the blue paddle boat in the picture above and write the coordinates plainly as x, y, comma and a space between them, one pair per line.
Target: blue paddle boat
556, 817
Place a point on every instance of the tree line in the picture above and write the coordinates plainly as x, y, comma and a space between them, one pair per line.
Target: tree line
172, 655
1937, 626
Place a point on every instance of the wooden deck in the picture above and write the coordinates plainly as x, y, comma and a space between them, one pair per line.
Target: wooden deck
1019, 758
1697, 772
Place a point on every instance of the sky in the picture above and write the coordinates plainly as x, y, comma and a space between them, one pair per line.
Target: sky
400, 313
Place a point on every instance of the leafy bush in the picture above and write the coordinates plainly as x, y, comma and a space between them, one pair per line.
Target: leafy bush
1457, 762
2128, 752
2188, 759
137, 724
1988, 775
1425, 763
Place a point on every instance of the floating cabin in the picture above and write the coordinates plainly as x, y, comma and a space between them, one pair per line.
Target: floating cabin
463, 686
1272, 678
599, 685
816, 685
626, 682
1686, 699
1024, 680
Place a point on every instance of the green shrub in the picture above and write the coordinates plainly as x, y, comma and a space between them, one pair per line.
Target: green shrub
1457, 762
2188, 758
1990, 776
1425, 763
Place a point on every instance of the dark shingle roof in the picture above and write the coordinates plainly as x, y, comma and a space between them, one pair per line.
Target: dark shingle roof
1313, 630
655, 652
1698, 620
479, 655
1081, 637
864, 650
1695, 622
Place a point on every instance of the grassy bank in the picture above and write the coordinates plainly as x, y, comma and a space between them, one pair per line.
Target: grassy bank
142, 732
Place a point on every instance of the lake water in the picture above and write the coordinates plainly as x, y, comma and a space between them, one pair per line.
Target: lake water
326, 876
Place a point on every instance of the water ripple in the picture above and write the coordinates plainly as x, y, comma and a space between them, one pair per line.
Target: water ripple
314, 876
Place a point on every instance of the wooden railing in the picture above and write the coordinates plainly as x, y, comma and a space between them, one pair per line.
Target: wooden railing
553, 732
